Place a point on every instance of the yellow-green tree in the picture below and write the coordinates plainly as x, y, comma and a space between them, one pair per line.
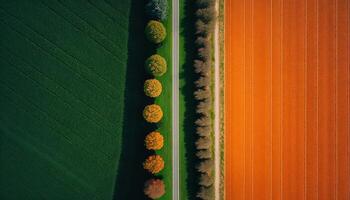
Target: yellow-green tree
155, 31
156, 65
152, 88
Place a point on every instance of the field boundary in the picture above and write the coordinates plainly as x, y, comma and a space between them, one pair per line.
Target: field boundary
221, 21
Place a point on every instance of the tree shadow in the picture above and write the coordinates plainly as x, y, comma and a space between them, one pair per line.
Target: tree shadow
187, 90
131, 176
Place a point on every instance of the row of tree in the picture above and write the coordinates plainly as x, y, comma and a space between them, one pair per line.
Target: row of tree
155, 66
204, 24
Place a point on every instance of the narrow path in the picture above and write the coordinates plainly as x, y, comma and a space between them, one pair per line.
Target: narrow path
175, 96
217, 105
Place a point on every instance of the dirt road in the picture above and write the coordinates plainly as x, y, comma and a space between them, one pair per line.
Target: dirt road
287, 99
217, 105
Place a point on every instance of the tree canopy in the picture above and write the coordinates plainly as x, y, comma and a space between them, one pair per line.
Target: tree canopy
152, 88
155, 32
157, 9
154, 164
153, 113
154, 141
156, 65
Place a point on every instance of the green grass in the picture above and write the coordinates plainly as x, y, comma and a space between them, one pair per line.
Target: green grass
165, 101
62, 84
188, 173
131, 175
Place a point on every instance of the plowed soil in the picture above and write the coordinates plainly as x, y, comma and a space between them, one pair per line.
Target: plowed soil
287, 99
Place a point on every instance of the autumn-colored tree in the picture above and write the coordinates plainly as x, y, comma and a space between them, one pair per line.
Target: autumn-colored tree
154, 141
203, 143
202, 28
205, 180
206, 193
203, 107
156, 65
203, 131
204, 53
206, 14
204, 3
203, 121
205, 166
202, 42
154, 188
155, 32
203, 81
204, 154
202, 68
152, 88
154, 164
153, 113
202, 94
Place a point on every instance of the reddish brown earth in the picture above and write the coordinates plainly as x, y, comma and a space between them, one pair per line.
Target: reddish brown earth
287, 128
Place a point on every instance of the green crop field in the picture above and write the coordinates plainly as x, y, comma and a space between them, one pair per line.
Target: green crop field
64, 95
71, 86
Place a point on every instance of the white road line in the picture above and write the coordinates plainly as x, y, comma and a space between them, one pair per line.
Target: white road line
175, 97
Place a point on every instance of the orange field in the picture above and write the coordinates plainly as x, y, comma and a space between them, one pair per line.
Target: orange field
287, 128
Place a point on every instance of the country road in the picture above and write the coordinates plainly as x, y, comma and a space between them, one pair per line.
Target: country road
175, 96
217, 105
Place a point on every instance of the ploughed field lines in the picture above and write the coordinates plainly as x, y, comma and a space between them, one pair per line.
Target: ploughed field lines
62, 86
287, 99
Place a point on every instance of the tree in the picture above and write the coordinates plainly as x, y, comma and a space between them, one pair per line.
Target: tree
204, 154
152, 88
205, 166
203, 131
155, 32
203, 121
205, 180
203, 81
204, 53
157, 9
203, 107
156, 65
154, 141
204, 3
154, 188
153, 113
203, 143
201, 94
154, 164
202, 28
206, 14
202, 42
205, 193
201, 67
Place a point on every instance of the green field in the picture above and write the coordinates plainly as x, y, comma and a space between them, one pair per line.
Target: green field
71, 80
